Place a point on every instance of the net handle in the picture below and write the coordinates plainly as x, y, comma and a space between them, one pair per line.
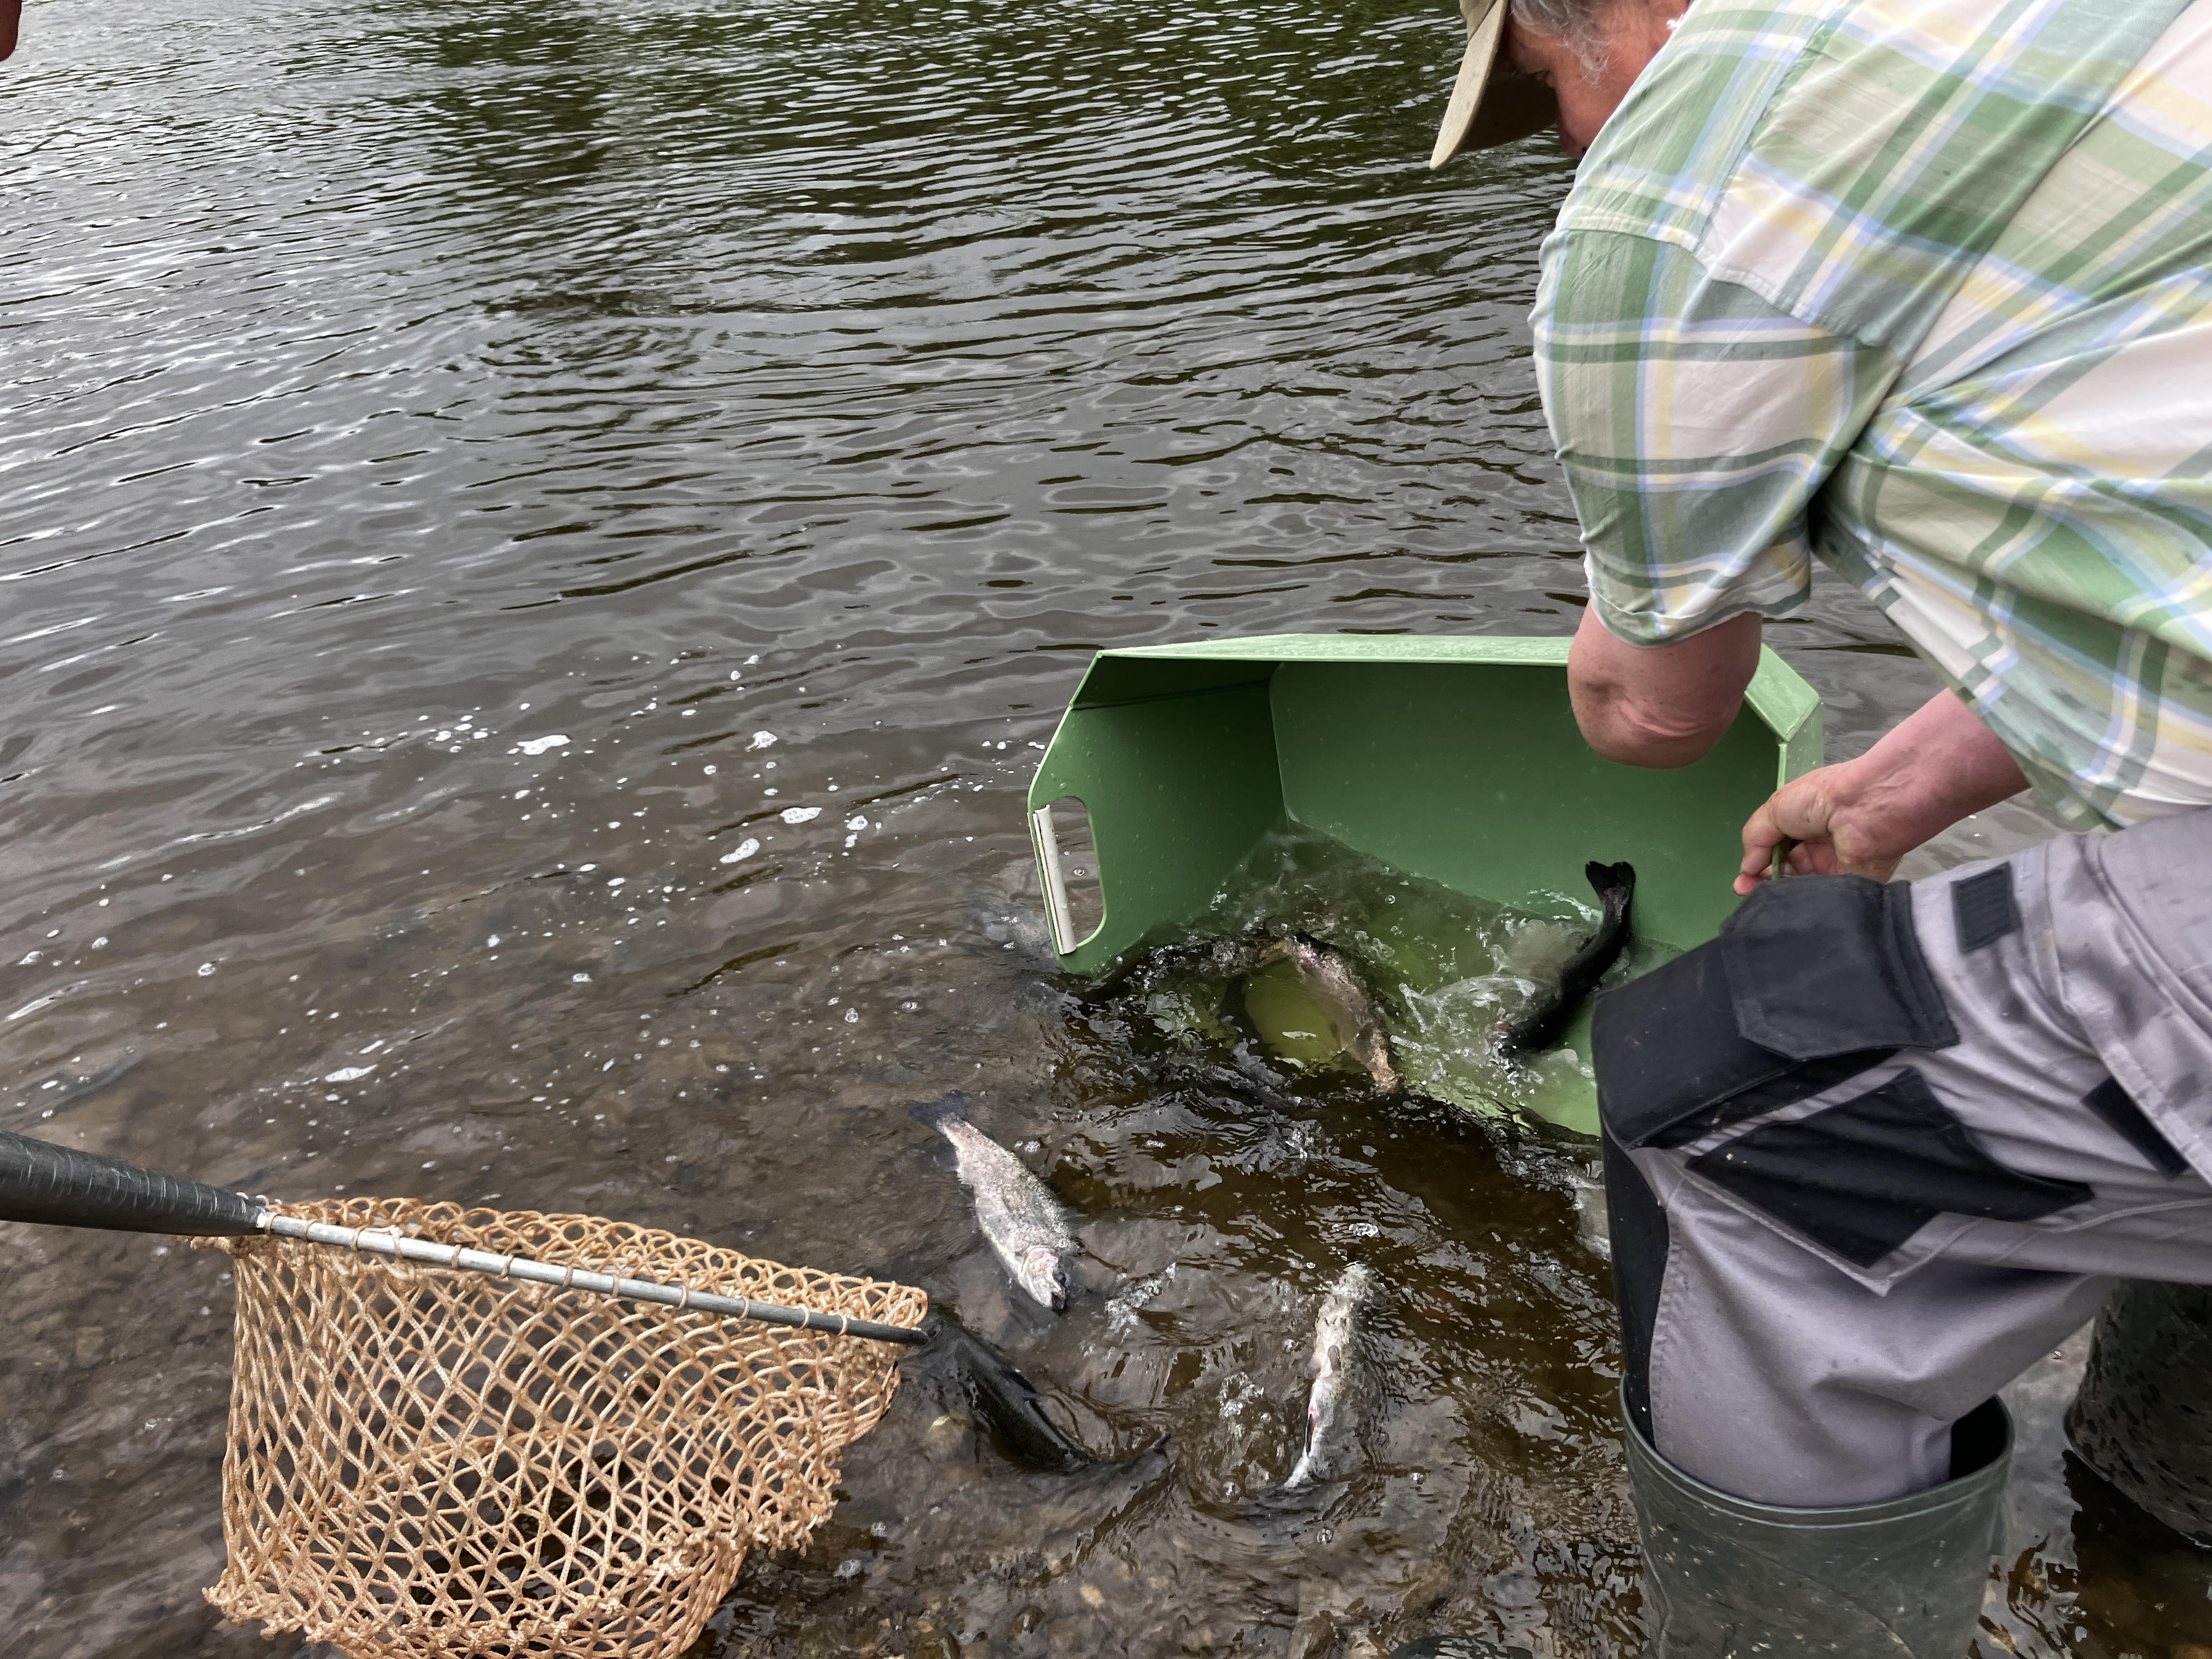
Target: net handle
683, 1298
61, 1186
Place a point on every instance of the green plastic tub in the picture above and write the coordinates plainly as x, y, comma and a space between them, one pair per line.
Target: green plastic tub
1454, 760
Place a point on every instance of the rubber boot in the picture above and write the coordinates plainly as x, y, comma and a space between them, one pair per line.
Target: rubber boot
1727, 1579
2143, 1418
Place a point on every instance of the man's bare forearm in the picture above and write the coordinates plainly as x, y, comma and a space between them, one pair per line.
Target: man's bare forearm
1936, 766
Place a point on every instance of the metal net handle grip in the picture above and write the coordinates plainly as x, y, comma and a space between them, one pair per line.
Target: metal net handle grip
682, 1297
61, 1186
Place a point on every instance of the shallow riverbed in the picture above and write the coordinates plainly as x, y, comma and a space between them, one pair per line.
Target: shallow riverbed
468, 470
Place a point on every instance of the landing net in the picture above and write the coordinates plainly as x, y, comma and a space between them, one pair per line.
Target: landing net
429, 1462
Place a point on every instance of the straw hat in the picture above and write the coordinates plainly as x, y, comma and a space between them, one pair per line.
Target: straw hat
1492, 102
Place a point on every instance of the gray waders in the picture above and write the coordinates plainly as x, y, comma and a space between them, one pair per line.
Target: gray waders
1869, 1155
1724, 1578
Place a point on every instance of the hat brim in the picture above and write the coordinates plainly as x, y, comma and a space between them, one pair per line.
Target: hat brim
1491, 103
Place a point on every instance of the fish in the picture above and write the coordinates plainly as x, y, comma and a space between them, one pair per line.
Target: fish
1008, 1401
1538, 1026
1326, 975
1331, 1368
1023, 1222
1007, 924
76, 1086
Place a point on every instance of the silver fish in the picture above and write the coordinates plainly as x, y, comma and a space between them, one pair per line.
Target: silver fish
1020, 1217
1331, 1367
1356, 1026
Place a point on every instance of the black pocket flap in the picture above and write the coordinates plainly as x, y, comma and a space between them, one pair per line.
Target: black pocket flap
1673, 1067
1864, 1175
1822, 965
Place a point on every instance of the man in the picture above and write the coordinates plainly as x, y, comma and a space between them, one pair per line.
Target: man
1922, 288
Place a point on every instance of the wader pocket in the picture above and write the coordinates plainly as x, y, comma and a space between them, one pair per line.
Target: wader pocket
1812, 980
1863, 1175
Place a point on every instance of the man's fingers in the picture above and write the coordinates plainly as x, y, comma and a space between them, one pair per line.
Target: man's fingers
1761, 836
1794, 824
1764, 848
1783, 851
1764, 831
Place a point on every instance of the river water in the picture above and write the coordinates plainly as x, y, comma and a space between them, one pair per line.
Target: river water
467, 469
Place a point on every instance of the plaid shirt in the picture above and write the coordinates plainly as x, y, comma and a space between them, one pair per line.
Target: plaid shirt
1924, 288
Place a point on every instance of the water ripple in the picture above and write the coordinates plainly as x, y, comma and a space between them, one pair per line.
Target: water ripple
773, 403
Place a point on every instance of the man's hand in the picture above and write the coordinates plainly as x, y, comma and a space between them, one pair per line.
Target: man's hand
1861, 817
1660, 705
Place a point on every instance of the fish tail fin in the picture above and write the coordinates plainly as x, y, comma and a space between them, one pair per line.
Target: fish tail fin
936, 1113
1605, 878
1614, 883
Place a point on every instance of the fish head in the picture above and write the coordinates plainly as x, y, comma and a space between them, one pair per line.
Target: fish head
1042, 1276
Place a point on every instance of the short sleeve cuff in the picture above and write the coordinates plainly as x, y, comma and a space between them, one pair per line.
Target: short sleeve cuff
1637, 615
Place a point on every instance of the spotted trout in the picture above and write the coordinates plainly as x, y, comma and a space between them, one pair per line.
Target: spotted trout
1331, 1368
1355, 1026
1023, 1222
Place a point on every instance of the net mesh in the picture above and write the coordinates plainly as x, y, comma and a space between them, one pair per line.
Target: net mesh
425, 1461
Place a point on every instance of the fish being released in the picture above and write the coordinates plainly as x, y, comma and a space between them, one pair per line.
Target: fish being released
1331, 1368
1008, 1401
1537, 1027
1020, 1217
1329, 981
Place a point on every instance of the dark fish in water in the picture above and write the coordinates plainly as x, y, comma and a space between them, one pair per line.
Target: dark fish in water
1331, 1368
1537, 1027
1020, 1217
1355, 1026
1008, 1401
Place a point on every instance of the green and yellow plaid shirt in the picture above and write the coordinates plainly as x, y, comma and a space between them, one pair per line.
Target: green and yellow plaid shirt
1924, 288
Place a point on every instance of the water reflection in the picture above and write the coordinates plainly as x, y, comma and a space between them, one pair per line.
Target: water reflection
468, 473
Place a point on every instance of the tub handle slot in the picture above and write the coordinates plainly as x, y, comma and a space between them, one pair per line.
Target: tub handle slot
1053, 876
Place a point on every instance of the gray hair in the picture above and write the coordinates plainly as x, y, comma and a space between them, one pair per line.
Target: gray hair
1575, 21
